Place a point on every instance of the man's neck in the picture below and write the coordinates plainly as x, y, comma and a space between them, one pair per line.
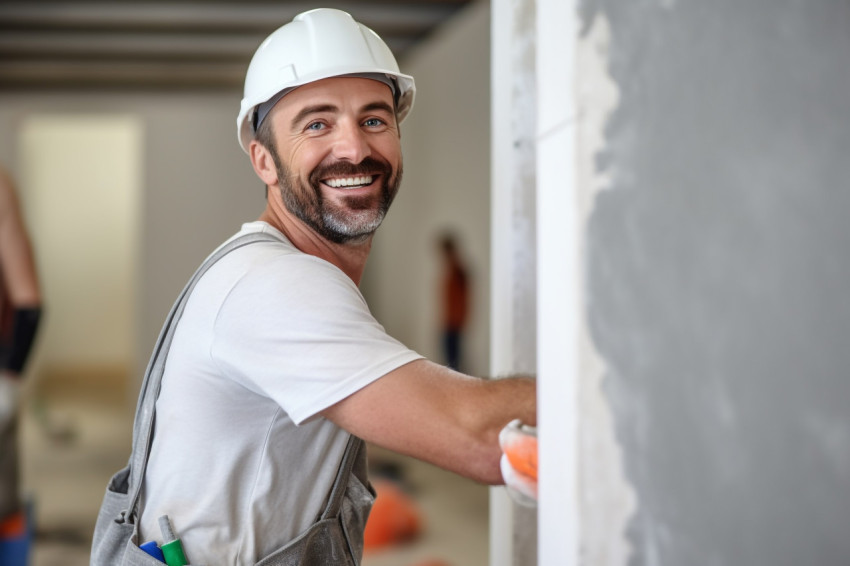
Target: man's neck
350, 258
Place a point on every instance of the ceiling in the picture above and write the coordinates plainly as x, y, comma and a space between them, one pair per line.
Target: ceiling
159, 44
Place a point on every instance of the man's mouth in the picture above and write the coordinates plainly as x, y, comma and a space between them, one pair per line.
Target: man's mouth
349, 182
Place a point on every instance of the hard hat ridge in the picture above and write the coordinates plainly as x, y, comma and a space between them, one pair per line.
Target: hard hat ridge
315, 45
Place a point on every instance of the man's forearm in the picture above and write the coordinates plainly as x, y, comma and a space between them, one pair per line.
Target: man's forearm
499, 402
502, 400
438, 415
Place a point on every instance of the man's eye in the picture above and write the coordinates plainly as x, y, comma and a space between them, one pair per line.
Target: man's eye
315, 126
373, 122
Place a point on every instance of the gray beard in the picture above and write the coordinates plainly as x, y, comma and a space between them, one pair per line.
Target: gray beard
354, 223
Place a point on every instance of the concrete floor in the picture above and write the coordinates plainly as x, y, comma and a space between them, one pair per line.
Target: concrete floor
75, 436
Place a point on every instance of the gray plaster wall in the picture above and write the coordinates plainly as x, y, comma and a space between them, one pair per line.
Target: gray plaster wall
718, 270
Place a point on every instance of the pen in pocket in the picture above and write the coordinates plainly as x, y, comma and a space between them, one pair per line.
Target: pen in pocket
172, 548
151, 548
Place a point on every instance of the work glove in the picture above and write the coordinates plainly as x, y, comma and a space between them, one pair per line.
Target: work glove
9, 393
519, 462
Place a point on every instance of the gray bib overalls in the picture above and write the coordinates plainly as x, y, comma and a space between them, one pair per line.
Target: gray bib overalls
336, 537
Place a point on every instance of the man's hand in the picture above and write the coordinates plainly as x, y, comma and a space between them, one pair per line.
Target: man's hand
519, 462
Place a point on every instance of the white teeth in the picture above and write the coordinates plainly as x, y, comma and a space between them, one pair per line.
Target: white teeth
350, 181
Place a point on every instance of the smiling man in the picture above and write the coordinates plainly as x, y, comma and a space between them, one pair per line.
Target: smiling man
337, 163
277, 371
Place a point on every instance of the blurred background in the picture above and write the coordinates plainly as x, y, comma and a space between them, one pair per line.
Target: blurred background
650, 202
117, 121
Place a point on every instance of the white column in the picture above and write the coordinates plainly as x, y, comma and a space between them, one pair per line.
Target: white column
513, 262
559, 276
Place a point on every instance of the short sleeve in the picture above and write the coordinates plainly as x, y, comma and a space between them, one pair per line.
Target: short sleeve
298, 330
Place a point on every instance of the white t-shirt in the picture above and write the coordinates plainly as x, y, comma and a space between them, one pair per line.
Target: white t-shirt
241, 462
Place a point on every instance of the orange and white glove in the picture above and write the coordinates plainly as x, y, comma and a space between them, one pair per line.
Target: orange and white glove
519, 462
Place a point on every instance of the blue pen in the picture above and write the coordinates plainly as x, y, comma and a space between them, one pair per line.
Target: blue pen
151, 548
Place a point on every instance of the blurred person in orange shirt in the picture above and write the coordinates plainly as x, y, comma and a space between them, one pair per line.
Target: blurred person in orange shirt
455, 291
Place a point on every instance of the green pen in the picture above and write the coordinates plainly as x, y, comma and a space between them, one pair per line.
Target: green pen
172, 548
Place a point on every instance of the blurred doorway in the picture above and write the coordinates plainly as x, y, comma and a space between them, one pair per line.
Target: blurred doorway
80, 181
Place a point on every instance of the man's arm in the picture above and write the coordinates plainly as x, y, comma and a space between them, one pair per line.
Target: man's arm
16, 257
440, 416
20, 281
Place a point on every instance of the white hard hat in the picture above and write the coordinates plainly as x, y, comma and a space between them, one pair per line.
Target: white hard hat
316, 45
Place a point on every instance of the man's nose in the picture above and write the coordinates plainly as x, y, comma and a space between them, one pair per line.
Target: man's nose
351, 143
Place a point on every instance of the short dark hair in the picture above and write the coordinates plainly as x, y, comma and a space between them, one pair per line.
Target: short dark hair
265, 135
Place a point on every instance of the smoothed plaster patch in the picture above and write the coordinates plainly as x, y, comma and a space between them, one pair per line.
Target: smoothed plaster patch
607, 499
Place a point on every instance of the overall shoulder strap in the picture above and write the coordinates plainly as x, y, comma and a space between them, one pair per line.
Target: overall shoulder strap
355, 453
146, 407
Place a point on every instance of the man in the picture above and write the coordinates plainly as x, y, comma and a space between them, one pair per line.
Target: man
276, 360
20, 310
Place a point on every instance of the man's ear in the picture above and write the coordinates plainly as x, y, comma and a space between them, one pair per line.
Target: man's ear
263, 163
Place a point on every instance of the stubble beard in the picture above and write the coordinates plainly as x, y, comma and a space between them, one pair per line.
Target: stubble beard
353, 222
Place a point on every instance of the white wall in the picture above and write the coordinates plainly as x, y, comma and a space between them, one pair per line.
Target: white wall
82, 179
446, 142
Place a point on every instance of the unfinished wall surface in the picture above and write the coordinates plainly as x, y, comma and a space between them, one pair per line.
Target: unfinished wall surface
606, 498
718, 268
513, 528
